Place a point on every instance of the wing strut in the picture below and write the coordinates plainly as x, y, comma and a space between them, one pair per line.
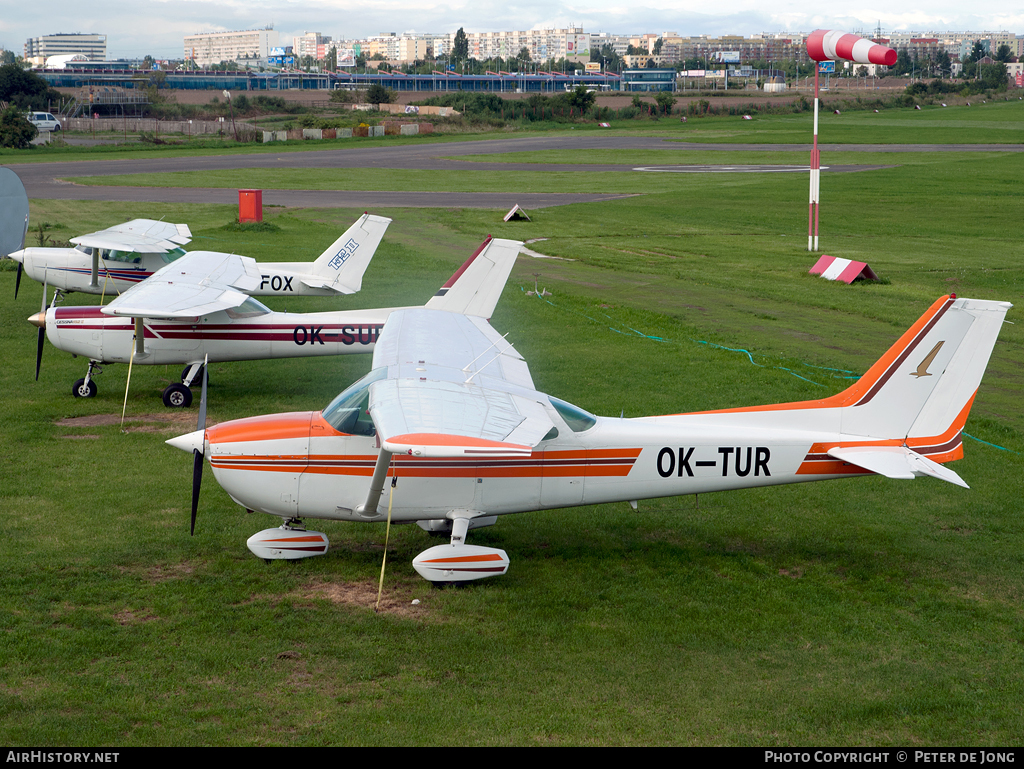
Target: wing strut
380, 474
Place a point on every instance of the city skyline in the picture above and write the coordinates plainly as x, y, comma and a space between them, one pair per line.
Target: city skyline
158, 27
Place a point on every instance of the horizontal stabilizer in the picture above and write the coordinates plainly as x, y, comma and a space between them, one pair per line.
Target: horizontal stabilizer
324, 285
895, 462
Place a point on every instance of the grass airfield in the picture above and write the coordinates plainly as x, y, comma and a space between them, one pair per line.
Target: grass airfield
857, 612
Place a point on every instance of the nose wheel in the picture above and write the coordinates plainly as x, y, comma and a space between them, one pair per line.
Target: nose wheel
86, 387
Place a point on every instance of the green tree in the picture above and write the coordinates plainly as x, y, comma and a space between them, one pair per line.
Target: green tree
1003, 53
25, 89
994, 76
460, 47
378, 94
582, 99
665, 102
15, 130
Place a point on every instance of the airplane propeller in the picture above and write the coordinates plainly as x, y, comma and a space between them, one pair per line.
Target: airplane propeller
17, 280
40, 321
198, 454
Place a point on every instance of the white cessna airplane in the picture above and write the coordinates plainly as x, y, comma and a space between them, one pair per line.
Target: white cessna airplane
198, 309
113, 260
450, 413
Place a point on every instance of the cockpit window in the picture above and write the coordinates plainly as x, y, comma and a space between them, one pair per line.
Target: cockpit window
113, 255
174, 253
250, 308
87, 250
578, 420
348, 412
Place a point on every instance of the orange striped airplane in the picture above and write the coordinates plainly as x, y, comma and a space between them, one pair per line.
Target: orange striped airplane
450, 414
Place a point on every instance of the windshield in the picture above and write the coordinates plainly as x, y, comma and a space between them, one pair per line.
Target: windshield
250, 308
174, 253
348, 412
577, 419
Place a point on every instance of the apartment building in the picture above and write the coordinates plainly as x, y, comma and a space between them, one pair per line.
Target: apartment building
92, 46
209, 48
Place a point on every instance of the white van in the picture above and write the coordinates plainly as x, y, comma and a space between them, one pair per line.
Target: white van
43, 121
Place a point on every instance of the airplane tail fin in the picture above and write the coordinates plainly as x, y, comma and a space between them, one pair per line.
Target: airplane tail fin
905, 416
476, 286
921, 390
342, 265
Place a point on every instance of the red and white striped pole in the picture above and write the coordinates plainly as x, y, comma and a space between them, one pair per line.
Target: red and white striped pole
833, 45
812, 210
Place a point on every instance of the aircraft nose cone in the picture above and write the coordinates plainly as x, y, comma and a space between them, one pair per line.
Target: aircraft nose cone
18, 256
38, 320
193, 441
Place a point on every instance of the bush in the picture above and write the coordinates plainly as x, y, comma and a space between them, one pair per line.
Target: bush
15, 130
378, 94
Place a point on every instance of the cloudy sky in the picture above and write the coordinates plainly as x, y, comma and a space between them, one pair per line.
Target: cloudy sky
157, 27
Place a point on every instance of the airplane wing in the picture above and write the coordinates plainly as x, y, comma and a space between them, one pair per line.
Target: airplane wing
198, 283
454, 388
145, 235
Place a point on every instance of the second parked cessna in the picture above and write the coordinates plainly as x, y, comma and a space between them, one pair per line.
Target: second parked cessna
113, 260
198, 308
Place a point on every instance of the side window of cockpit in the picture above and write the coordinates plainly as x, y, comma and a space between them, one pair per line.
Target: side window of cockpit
173, 254
250, 308
576, 418
348, 412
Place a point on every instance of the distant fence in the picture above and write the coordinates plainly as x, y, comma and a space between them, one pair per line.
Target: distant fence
152, 125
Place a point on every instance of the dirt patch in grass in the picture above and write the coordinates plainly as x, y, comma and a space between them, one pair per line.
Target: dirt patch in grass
134, 616
396, 599
171, 421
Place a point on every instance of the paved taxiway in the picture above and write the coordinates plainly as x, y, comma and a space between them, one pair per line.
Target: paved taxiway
44, 180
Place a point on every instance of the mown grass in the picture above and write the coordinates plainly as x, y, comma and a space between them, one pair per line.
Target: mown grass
868, 612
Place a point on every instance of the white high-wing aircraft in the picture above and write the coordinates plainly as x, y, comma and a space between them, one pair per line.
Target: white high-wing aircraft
111, 261
449, 409
198, 309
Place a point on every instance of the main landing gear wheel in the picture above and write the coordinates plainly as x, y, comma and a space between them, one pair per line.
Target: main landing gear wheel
197, 379
82, 390
177, 396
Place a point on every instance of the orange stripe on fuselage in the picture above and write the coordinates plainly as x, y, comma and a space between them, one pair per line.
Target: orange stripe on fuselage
598, 463
945, 447
446, 440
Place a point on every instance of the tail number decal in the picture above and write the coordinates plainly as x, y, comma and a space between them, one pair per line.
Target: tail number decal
346, 251
741, 459
302, 335
277, 282
348, 335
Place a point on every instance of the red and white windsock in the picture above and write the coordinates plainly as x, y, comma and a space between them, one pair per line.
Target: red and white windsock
833, 45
